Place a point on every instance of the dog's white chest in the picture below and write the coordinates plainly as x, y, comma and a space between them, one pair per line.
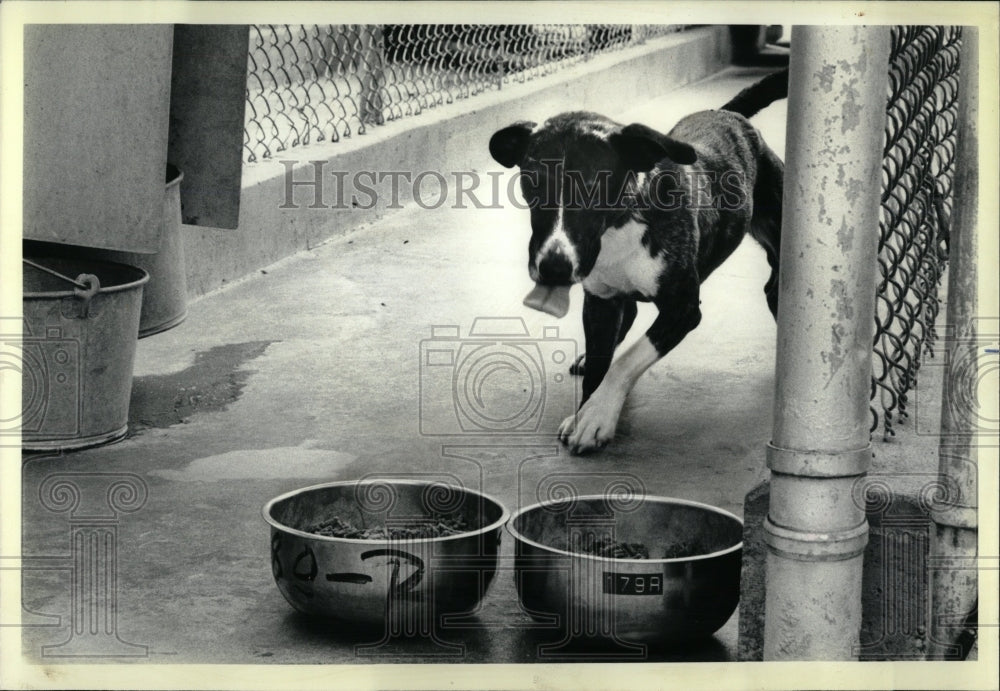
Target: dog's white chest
624, 265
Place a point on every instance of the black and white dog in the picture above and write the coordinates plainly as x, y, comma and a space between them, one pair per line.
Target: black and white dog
634, 214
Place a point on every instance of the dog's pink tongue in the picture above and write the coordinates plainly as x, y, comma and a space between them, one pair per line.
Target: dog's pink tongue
553, 300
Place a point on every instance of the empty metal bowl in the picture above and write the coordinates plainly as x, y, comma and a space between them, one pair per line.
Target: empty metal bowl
405, 583
687, 588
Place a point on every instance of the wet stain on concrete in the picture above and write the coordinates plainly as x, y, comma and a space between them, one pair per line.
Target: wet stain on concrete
281, 463
212, 383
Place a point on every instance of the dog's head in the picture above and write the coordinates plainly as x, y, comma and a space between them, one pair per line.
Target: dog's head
577, 171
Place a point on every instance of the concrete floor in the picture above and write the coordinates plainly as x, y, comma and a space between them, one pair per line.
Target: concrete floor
310, 372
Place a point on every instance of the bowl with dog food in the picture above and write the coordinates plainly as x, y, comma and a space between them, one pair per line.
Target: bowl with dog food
393, 552
646, 569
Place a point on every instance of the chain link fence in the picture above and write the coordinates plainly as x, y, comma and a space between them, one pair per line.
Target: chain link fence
920, 145
321, 83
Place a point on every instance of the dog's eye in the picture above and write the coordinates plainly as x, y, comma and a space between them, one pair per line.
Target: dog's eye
530, 162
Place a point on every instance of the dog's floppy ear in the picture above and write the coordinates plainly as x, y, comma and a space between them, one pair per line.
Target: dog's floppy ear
641, 147
507, 146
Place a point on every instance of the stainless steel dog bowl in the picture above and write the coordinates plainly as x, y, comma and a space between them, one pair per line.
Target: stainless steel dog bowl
628, 599
406, 583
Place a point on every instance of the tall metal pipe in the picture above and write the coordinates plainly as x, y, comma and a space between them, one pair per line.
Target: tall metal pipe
815, 531
953, 547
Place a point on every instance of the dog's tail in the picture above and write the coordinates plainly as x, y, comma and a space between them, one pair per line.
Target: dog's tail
759, 96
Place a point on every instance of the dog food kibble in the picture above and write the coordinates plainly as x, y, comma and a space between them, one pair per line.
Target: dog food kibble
683, 549
435, 526
610, 549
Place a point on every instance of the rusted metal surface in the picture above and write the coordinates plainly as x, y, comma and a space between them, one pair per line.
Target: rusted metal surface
816, 531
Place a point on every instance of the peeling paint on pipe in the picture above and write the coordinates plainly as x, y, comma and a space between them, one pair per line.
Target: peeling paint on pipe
816, 529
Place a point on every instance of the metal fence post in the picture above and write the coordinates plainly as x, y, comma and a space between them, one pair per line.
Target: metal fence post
371, 71
953, 585
815, 530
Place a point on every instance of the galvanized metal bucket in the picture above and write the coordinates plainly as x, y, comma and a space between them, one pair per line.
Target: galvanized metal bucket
164, 299
81, 320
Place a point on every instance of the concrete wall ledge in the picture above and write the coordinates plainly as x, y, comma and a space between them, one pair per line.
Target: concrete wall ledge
452, 137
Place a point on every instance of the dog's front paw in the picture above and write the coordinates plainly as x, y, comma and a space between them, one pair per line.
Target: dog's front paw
592, 427
578, 368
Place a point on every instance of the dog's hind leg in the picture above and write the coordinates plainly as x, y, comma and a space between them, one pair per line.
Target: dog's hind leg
765, 226
628, 312
771, 287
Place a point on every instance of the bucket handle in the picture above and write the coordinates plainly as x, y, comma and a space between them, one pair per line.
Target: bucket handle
87, 294
85, 286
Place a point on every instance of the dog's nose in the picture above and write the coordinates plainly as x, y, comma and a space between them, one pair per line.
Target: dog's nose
555, 269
